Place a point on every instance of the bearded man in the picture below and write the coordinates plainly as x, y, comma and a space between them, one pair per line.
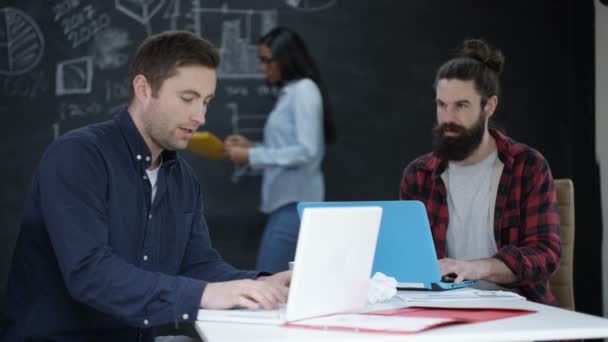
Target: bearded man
490, 200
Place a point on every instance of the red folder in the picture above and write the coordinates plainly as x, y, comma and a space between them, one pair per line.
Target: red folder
462, 315
450, 316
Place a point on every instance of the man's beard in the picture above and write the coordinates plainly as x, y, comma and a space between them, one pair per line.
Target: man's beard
460, 146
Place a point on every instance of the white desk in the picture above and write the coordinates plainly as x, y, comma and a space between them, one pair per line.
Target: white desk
548, 323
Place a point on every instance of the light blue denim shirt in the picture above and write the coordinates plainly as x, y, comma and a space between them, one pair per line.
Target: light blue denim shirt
293, 148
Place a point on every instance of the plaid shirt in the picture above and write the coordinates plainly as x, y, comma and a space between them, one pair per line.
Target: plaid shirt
526, 220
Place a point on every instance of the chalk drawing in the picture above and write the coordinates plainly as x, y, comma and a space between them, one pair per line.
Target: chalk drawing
81, 25
117, 90
28, 85
310, 5
21, 42
240, 30
110, 49
236, 90
140, 10
183, 15
74, 76
61, 8
69, 110
234, 30
249, 125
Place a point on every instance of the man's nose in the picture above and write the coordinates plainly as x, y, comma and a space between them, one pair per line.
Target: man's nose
199, 117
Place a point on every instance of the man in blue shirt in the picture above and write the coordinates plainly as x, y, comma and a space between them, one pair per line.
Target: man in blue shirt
113, 240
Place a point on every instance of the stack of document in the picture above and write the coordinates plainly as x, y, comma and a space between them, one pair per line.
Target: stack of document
464, 298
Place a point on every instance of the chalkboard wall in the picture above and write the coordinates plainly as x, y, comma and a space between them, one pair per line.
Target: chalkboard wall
64, 64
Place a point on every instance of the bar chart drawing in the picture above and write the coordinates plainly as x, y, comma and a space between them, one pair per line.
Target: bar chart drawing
239, 31
234, 30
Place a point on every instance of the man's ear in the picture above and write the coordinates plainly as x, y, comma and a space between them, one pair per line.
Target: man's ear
490, 106
141, 89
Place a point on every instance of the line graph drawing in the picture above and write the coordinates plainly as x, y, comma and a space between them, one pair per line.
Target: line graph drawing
21, 42
249, 125
140, 10
310, 5
74, 76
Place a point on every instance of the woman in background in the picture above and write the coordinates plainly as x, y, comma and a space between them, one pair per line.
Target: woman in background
295, 135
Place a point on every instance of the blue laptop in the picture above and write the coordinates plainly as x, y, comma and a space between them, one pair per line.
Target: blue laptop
405, 248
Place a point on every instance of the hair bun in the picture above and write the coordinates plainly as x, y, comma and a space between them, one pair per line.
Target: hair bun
480, 50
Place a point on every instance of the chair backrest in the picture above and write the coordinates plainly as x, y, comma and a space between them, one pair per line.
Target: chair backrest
562, 283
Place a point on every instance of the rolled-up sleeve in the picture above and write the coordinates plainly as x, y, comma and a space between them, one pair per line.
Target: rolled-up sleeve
537, 255
306, 105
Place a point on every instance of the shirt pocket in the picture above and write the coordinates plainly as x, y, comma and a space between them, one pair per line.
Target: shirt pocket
174, 236
510, 231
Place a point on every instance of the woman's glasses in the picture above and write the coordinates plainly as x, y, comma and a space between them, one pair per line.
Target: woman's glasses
266, 60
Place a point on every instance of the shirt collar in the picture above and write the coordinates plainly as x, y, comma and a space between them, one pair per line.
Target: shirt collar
139, 152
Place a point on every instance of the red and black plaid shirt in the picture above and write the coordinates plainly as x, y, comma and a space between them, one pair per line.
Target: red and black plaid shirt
526, 220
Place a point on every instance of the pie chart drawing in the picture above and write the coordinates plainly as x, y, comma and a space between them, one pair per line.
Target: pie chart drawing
21, 42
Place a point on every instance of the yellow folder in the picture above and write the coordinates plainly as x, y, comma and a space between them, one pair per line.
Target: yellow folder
207, 145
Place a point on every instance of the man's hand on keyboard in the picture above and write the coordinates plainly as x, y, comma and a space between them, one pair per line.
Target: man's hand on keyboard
281, 278
251, 294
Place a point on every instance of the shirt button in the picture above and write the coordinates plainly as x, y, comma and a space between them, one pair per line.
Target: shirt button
145, 177
146, 322
145, 257
150, 216
147, 158
138, 157
185, 316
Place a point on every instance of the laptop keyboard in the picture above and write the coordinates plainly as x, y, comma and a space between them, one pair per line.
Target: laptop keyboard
256, 316
260, 313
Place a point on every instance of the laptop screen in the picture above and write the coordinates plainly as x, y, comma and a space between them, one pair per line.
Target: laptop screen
405, 247
335, 247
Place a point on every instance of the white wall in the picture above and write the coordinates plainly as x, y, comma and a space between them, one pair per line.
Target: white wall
601, 127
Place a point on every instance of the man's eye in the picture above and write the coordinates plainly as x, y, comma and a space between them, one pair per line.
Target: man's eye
187, 99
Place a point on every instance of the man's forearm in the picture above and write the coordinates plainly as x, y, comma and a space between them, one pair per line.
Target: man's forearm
495, 271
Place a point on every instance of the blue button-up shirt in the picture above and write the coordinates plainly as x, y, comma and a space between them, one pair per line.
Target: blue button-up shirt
293, 148
95, 259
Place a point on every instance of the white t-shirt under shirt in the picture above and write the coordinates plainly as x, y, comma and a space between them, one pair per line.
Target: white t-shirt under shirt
471, 194
153, 178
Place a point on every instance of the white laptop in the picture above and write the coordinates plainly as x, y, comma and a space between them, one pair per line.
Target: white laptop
332, 268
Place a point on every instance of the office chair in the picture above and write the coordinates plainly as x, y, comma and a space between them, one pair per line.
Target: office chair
562, 283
